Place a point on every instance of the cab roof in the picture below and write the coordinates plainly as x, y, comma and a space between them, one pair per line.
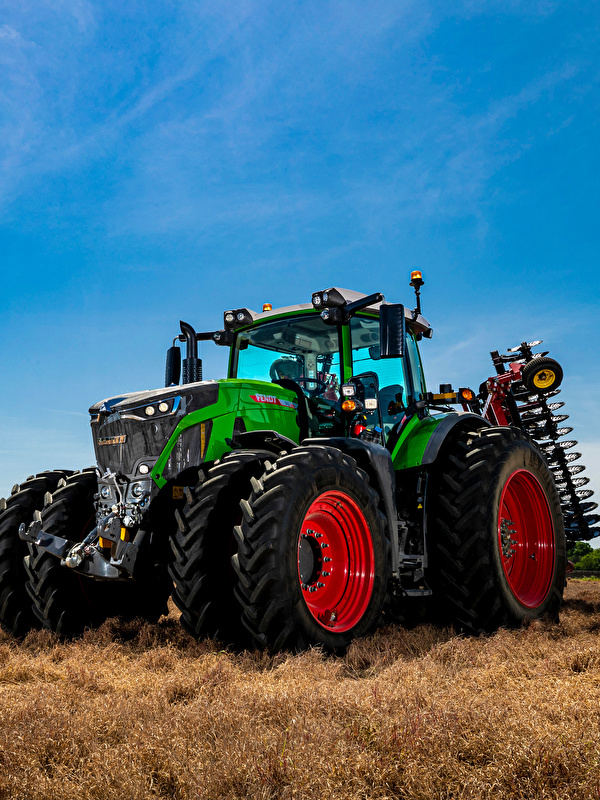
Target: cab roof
418, 322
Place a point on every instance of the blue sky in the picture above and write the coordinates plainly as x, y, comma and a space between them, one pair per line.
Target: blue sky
165, 160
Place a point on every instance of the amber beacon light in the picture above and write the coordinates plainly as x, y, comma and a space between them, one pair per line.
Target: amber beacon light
416, 281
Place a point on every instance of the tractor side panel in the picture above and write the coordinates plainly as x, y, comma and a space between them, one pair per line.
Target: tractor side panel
265, 405
206, 435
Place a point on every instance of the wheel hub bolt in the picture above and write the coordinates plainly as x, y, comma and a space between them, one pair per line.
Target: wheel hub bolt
323, 545
325, 574
313, 589
318, 535
326, 558
320, 585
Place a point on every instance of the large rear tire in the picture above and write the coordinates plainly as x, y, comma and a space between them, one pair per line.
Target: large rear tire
496, 533
203, 545
313, 558
16, 614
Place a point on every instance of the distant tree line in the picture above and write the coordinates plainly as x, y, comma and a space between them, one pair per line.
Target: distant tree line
584, 556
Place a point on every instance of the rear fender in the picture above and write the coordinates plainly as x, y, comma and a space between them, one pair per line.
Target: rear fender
449, 423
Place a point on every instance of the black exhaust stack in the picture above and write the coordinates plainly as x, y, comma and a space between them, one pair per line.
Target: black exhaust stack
192, 365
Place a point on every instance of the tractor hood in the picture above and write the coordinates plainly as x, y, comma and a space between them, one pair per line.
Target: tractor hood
134, 427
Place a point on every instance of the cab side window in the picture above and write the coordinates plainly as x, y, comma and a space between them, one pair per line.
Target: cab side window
415, 367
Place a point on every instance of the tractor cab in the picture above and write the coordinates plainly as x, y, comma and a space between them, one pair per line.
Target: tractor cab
330, 353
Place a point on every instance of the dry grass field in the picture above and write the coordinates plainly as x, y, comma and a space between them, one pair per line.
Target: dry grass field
133, 711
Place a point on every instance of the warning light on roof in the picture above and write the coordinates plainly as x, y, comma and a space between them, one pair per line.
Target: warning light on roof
267, 307
416, 278
467, 394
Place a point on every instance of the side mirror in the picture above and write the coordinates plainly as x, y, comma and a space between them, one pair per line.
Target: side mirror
173, 368
392, 330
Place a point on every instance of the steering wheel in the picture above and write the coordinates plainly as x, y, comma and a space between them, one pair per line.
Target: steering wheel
320, 387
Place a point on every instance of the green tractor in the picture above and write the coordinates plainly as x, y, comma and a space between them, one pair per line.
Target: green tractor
315, 493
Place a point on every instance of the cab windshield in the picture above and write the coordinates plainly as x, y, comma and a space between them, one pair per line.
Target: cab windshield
302, 349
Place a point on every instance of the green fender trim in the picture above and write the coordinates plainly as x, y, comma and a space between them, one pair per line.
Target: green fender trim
421, 440
409, 449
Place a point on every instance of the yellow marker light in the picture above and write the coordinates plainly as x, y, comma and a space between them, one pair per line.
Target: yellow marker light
349, 405
416, 275
467, 394
267, 307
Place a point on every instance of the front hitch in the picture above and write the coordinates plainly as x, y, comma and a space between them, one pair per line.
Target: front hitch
84, 557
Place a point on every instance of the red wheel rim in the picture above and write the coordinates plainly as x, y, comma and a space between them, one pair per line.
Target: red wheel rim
526, 538
336, 561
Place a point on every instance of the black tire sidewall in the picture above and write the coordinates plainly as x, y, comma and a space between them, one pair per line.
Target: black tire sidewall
533, 367
215, 578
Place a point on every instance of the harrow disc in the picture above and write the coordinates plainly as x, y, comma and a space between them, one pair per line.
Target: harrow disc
531, 415
531, 406
582, 494
573, 457
580, 482
559, 418
537, 425
521, 393
590, 519
557, 460
550, 449
575, 469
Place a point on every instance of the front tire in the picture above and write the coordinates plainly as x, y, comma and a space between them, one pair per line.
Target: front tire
16, 614
313, 558
65, 601
496, 532
203, 545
